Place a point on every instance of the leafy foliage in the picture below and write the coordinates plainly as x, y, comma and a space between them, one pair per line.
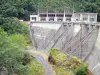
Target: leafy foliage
57, 55
11, 52
23, 8
13, 59
19, 8
81, 71
36, 68
13, 26
68, 65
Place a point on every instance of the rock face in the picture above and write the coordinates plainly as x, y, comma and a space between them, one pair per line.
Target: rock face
78, 39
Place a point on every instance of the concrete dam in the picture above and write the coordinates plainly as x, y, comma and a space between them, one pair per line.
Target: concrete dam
79, 39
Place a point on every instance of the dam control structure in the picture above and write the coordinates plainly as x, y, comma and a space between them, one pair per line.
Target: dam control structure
75, 33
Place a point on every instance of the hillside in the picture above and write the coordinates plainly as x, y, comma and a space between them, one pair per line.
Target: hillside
23, 8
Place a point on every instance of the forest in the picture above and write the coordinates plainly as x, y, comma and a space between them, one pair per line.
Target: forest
23, 8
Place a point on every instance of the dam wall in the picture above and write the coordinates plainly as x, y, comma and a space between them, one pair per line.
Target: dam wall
78, 39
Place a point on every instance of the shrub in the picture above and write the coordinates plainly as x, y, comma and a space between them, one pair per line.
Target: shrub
57, 56
35, 68
81, 70
71, 66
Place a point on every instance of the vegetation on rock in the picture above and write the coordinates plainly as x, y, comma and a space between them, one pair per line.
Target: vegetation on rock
67, 64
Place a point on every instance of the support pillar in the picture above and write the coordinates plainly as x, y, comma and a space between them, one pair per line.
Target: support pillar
84, 30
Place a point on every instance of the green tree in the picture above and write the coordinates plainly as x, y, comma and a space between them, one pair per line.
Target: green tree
11, 53
13, 26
